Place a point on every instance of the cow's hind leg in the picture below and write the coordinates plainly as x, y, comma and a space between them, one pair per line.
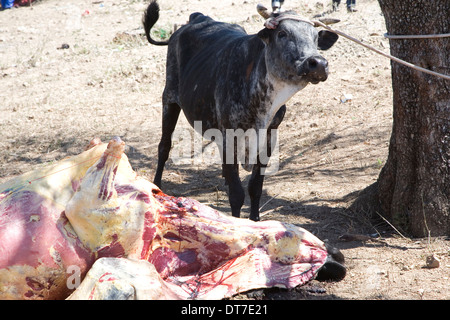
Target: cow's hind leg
169, 121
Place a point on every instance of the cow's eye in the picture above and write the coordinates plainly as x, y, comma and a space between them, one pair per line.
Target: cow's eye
282, 34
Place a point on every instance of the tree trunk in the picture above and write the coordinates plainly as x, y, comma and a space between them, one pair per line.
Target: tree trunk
414, 185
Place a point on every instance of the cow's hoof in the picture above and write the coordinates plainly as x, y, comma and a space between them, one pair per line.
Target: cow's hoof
333, 269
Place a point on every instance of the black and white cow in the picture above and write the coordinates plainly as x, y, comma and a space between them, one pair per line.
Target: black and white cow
227, 79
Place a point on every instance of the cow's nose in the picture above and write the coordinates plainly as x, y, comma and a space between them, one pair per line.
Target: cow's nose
316, 69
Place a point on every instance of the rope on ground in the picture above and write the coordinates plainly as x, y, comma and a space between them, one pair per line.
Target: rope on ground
413, 66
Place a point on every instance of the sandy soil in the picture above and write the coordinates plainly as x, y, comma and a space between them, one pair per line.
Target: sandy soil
109, 82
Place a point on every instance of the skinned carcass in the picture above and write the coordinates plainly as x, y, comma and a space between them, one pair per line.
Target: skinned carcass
197, 251
37, 242
186, 249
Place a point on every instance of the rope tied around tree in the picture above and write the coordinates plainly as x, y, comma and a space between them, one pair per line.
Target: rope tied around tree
417, 36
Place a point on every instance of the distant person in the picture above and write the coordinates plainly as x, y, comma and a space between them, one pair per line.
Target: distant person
350, 5
7, 4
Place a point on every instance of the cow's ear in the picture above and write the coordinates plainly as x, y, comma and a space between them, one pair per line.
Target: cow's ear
326, 39
264, 35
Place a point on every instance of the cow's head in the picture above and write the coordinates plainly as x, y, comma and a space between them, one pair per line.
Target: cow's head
292, 48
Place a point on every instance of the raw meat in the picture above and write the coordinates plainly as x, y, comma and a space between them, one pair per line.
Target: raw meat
123, 279
147, 244
197, 251
37, 243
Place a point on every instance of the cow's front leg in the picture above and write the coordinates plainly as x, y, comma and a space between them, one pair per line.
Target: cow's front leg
255, 184
254, 190
236, 193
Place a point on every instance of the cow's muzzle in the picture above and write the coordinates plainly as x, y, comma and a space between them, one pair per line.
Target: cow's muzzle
314, 69
333, 269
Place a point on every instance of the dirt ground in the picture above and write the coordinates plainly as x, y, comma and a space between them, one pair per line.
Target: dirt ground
73, 70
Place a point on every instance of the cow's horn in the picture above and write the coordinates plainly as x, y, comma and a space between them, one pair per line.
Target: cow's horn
328, 21
263, 11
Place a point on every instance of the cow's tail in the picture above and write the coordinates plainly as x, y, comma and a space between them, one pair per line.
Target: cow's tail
151, 15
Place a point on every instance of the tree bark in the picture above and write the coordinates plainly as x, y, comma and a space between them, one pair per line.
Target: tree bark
414, 185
